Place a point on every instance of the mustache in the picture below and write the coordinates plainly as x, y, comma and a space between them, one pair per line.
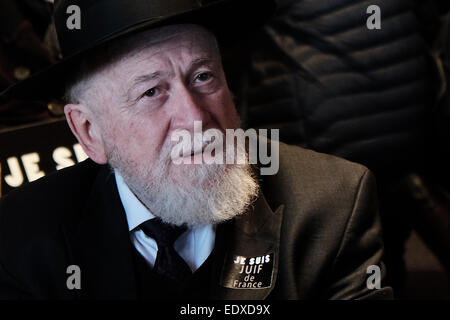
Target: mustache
196, 144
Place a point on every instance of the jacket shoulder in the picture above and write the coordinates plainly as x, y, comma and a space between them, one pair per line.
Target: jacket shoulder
50, 197
305, 169
33, 255
295, 159
315, 182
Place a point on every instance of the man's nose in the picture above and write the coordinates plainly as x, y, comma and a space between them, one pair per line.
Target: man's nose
189, 107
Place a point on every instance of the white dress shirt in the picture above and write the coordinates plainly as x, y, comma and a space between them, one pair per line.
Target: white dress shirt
194, 245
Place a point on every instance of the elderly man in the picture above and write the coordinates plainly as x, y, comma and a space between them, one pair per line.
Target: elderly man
131, 223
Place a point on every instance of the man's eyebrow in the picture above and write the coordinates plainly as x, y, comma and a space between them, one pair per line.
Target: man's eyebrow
145, 77
201, 61
141, 79
157, 74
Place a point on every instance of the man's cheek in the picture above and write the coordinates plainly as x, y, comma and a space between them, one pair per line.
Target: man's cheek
232, 118
226, 114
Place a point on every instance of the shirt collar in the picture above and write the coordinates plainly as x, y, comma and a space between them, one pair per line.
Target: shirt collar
135, 211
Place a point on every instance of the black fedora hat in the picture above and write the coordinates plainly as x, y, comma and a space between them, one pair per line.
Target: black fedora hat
102, 21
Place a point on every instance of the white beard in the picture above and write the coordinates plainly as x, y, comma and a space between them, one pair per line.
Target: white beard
192, 195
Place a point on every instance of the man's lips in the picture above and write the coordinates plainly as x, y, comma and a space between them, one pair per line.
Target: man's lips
199, 151
195, 152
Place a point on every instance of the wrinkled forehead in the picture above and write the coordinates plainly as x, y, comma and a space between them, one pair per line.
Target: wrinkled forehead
116, 65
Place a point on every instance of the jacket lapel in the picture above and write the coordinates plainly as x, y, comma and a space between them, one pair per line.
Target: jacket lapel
99, 243
249, 263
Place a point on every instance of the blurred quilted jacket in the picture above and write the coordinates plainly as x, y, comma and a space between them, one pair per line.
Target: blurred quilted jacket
329, 83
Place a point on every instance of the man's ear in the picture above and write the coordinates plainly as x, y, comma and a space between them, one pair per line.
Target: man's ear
87, 132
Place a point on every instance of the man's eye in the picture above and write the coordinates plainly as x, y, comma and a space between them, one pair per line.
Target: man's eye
151, 92
204, 76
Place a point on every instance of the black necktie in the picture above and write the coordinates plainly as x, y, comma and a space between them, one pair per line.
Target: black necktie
168, 263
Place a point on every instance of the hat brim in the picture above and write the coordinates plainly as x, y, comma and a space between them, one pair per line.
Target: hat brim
228, 20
